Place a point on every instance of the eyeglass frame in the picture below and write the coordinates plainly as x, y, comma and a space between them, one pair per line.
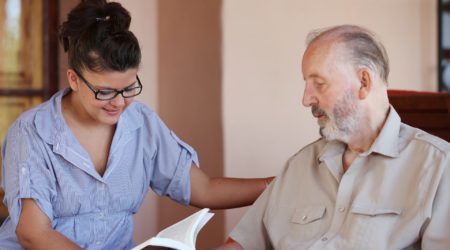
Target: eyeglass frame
117, 92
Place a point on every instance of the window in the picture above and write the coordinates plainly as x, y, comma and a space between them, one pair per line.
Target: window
28, 49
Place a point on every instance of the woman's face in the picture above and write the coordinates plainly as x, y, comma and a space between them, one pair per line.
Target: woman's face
106, 112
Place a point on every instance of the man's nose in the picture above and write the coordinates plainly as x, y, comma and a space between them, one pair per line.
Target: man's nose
308, 97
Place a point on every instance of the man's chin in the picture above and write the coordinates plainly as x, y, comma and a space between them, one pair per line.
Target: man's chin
327, 134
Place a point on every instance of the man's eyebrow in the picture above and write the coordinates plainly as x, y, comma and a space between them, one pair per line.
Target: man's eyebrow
314, 76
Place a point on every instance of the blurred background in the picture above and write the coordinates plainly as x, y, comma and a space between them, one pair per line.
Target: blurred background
223, 74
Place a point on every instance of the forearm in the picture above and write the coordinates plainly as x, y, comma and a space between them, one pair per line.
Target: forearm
47, 240
222, 193
233, 192
34, 230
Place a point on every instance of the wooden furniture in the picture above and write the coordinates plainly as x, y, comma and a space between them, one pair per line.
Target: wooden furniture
428, 111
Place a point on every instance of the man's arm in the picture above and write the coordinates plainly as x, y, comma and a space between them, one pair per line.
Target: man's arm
220, 193
436, 234
34, 230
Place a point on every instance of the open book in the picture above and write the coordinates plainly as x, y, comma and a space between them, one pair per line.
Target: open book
181, 235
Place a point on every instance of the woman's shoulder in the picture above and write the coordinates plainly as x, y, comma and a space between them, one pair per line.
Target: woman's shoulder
26, 119
140, 107
139, 114
139, 110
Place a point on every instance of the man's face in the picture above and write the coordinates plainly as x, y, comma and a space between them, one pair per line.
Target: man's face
330, 91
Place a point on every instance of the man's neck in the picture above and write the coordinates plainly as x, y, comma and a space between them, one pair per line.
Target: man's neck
364, 137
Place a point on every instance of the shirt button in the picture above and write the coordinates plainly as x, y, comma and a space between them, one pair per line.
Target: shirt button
324, 239
98, 243
304, 217
341, 209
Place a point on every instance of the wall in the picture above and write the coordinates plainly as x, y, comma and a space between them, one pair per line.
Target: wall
190, 98
264, 121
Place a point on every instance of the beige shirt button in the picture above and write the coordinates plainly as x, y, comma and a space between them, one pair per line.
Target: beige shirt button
304, 217
341, 209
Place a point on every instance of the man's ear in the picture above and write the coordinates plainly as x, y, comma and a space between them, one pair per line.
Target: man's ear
72, 78
366, 82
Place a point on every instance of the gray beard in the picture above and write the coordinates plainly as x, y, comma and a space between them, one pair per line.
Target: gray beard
344, 120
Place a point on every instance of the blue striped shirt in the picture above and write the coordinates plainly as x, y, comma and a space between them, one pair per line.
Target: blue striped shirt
42, 160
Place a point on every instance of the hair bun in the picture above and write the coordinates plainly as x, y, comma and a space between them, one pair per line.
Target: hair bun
96, 36
94, 17
119, 18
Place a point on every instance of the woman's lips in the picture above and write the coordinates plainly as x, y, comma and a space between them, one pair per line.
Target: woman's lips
112, 112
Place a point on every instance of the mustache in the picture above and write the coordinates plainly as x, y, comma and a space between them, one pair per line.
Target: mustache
316, 111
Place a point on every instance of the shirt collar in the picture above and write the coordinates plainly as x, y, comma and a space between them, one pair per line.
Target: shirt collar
386, 143
49, 121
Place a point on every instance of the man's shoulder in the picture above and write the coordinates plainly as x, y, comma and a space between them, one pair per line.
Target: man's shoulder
317, 144
310, 150
420, 137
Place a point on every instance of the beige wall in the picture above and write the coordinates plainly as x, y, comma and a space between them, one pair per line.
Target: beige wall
189, 93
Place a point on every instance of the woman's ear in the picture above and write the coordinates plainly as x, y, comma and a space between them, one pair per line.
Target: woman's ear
72, 78
366, 82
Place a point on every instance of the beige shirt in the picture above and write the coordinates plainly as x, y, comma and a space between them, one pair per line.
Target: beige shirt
394, 196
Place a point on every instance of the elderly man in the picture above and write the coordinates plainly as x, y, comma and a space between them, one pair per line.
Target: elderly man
370, 182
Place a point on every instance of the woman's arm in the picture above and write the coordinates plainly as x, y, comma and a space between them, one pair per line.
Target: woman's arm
34, 230
221, 193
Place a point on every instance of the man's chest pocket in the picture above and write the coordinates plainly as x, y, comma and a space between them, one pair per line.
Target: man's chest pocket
307, 222
371, 223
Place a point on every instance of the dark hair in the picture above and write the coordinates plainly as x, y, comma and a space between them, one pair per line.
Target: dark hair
96, 36
365, 49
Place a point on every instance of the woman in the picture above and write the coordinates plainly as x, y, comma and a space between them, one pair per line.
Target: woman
77, 167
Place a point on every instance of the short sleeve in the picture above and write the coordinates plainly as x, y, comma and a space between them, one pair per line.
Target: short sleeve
250, 232
172, 160
25, 173
436, 234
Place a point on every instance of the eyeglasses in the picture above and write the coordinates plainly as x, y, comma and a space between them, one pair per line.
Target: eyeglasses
109, 94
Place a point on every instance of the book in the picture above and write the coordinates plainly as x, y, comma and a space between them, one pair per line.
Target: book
181, 235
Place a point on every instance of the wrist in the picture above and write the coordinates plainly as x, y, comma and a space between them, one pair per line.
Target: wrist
268, 180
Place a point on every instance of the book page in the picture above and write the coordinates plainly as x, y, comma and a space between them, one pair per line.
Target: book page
181, 235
